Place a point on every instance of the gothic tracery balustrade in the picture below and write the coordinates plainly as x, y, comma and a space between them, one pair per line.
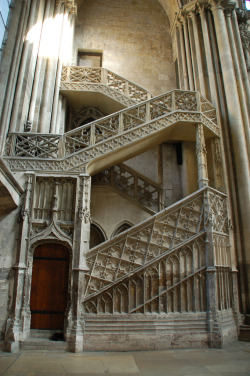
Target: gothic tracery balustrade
159, 266
130, 124
132, 184
73, 75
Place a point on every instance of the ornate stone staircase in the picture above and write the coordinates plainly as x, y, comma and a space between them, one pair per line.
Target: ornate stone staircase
168, 247
166, 280
174, 268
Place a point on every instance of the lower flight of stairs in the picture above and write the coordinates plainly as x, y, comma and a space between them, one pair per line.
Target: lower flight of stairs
40, 340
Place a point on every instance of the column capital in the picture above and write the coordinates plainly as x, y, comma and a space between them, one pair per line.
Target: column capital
179, 23
215, 4
228, 12
202, 8
69, 6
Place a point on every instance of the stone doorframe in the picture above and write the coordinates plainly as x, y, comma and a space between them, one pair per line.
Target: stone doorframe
76, 240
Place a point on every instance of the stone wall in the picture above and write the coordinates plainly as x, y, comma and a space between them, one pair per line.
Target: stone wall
8, 235
134, 38
109, 210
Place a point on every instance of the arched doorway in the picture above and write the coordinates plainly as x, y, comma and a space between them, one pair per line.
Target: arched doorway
49, 286
96, 236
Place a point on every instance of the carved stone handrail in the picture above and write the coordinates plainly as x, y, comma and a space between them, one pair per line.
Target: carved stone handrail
132, 184
76, 148
73, 76
161, 256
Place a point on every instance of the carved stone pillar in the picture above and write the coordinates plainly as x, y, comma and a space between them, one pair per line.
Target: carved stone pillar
201, 156
14, 323
80, 248
217, 164
214, 337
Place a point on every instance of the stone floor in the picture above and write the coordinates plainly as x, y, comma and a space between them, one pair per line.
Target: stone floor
232, 360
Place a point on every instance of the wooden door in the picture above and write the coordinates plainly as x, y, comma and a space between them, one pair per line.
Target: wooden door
49, 286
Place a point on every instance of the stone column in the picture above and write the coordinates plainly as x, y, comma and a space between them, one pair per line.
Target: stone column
201, 156
15, 125
80, 248
183, 56
208, 53
69, 13
188, 54
198, 53
51, 56
179, 61
14, 322
10, 62
238, 79
38, 72
241, 57
239, 151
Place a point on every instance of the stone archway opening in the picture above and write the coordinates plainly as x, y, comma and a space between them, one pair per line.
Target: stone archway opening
49, 288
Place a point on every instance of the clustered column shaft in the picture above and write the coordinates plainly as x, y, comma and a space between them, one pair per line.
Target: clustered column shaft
41, 64
223, 80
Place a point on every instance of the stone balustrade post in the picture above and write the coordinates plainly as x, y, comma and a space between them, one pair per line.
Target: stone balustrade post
121, 126
201, 156
211, 276
104, 76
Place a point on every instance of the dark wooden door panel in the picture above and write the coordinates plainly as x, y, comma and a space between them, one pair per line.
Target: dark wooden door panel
49, 286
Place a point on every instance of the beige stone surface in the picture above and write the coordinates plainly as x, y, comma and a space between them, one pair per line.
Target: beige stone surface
234, 360
109, 210
133, 36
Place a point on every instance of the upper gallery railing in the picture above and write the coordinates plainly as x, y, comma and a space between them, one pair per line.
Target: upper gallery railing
73, 75
51, 146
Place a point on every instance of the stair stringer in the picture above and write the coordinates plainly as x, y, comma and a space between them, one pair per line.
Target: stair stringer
79, 88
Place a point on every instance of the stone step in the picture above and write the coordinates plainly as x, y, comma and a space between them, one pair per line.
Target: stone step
44, 344
244, 333
38, 333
